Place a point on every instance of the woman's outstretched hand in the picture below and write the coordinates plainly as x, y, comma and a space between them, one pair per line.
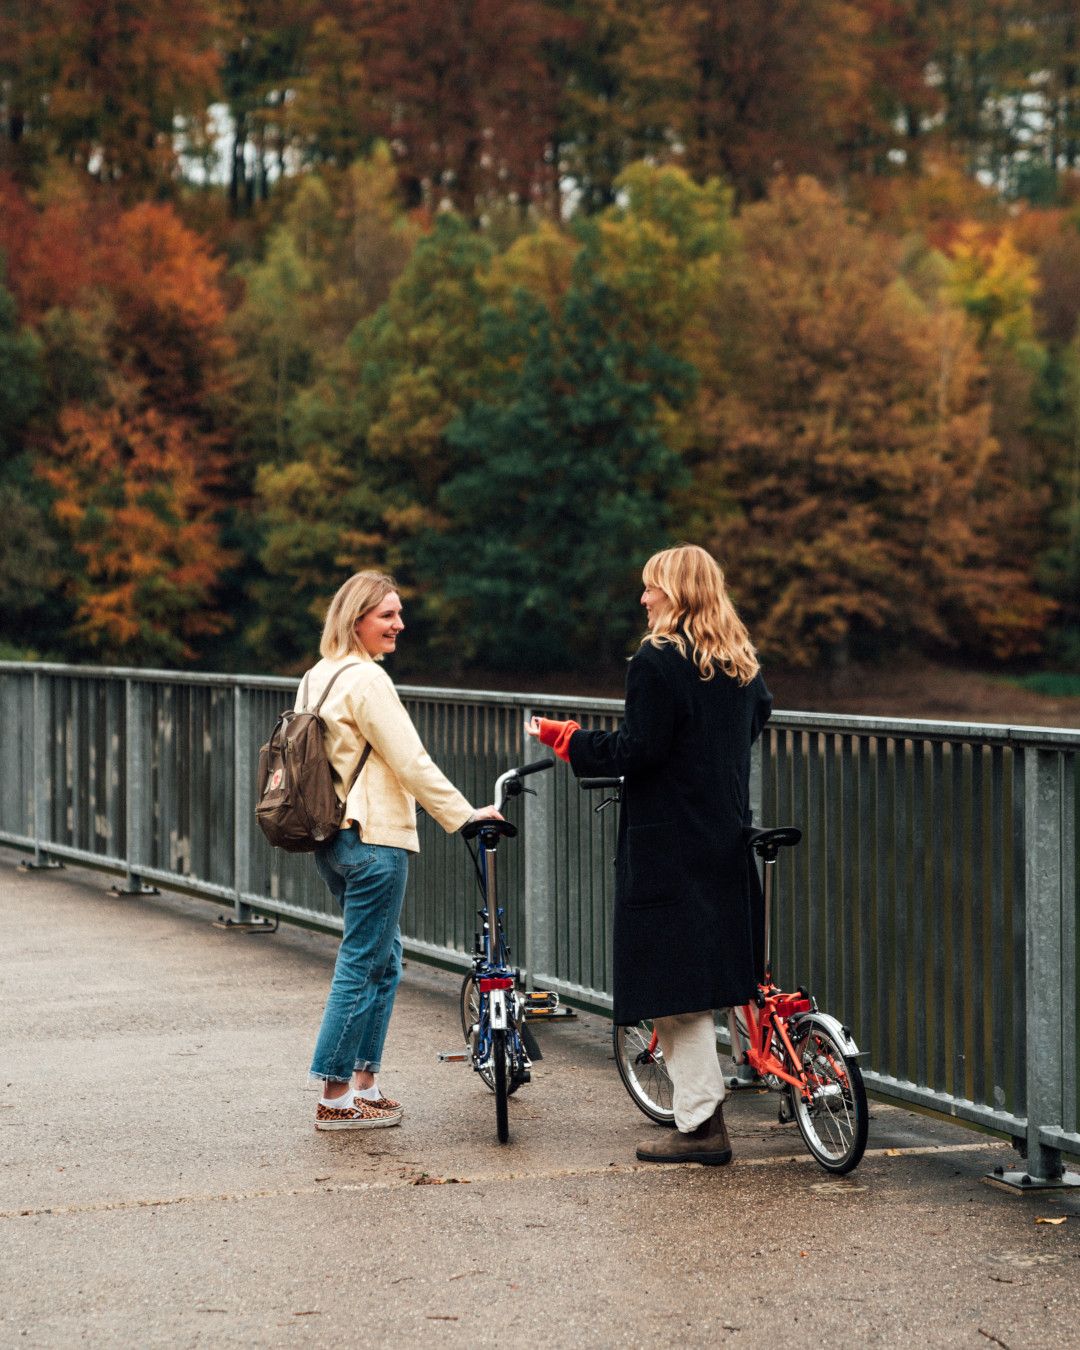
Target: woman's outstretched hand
556, 734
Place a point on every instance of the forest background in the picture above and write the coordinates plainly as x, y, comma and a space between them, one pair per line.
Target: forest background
503, 295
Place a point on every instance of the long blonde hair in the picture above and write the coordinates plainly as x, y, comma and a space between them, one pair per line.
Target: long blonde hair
355, 597
698, 606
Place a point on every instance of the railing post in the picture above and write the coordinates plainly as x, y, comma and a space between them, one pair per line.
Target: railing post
241, 805
539, 871
1047, 837
243, 919
43, 780
136, 791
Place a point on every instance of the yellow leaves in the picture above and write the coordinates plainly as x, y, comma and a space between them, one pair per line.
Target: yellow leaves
996, 283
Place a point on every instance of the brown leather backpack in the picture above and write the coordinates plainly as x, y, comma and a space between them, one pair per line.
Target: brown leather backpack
296, 805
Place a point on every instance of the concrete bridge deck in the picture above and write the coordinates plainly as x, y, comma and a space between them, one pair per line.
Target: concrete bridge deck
161, 1183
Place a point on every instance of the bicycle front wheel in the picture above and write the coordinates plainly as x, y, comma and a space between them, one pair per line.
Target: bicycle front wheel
835, 1123
470, 1017
643, 1071
502, 1096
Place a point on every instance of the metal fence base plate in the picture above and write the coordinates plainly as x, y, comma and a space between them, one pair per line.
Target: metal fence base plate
140, 888
41, 865
254, 925
1024, 1181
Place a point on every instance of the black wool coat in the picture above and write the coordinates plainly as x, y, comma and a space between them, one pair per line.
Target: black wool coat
688, 916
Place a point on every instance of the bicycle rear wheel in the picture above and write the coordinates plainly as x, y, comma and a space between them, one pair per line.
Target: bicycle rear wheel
499, 1074
643, 1071
835, 1124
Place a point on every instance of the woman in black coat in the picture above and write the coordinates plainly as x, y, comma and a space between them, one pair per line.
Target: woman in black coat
685, 941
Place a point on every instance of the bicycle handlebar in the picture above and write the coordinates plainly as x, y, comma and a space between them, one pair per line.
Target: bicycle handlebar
535, 767
589, 784
505, 781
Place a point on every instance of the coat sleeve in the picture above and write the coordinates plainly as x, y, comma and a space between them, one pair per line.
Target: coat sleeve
644, 738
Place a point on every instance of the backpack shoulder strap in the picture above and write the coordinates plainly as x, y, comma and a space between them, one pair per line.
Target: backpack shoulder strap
356, 775
330, 685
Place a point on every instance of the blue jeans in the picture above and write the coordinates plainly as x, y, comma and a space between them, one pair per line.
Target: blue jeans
368, 882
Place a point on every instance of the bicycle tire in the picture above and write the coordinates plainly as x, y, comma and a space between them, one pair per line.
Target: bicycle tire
836, 1126
643, 1074
470, 1014
502, 1096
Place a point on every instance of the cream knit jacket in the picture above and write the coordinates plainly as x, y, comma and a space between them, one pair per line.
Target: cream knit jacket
364, 708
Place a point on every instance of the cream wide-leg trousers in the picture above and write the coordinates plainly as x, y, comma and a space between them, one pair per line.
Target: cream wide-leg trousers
689, 1045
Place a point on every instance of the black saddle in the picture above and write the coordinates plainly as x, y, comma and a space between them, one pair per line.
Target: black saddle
768, 843
495, 827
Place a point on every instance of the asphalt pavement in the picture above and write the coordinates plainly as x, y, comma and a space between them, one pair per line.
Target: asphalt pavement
161, 1182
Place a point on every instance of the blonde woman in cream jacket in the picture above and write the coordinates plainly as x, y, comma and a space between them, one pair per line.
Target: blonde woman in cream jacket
365, 866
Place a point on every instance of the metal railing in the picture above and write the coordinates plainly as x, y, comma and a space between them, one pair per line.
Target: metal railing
932, 905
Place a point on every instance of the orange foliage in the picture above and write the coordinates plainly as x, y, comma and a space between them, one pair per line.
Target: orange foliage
132, 496
856, 493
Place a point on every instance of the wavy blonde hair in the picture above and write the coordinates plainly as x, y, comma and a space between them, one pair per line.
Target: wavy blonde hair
699, 608
355, 597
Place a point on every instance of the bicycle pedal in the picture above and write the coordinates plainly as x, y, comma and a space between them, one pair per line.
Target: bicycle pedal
452, 1056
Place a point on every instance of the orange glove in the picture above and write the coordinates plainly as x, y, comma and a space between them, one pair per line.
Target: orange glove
557, 735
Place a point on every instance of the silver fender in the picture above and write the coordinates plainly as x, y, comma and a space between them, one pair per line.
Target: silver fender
832, 1025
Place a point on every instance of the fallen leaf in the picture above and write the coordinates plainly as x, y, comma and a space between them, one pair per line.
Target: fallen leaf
1054, 1221
892, 1153
804, 1253
322, 1178
308, 1312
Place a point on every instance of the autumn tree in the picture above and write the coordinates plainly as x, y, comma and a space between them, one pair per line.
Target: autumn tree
464, 92
132, 500
133, 457
776, 86
565, 460
850, 482
26, 547
109, 82
623, 68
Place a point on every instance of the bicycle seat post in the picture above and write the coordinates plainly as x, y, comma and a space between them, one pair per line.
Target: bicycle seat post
766, 890
489, 842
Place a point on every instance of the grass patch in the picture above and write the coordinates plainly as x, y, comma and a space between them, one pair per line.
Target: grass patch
1053, 683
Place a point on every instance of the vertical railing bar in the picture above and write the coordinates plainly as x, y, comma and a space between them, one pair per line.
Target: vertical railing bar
976, 956
958, 1084
1042, 829
1067, 835
1018, 946
916, 925
937, 901
903, 962
243, 804
847, 911
996, 948
882, 1042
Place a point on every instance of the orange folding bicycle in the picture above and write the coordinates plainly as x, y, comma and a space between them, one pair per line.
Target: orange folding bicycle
784, 1039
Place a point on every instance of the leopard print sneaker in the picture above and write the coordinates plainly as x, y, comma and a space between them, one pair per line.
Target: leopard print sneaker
358, 1115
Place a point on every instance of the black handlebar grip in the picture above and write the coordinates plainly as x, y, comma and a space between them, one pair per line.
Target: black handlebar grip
589, 783
537, 766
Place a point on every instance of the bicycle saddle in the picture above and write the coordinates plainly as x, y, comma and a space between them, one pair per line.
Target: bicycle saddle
769, 841
475, 827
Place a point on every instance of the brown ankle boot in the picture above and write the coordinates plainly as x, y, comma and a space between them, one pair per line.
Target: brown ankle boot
708, 1144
